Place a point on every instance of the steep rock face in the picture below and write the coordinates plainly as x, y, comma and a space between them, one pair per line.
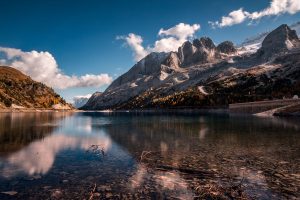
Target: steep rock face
281, 40
201, 51
186, 53
204, 42
172, 61
226, 47
92, 100
149, 65
19, 90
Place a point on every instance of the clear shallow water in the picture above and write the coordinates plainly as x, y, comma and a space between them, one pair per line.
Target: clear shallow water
150, 156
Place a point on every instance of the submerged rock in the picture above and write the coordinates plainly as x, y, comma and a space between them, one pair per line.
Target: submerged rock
11, 193
226, 47
57, 194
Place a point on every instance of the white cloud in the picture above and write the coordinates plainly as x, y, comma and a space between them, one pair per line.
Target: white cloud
135, 43
181, 31
234, 17
83, 96
167, 44
42, 67
170, 40
277, 7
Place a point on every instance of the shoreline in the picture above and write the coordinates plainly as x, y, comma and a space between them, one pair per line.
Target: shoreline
219, 111
31, 110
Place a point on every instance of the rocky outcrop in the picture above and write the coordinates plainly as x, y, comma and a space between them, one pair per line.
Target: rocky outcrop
172, 61
186, 53
201, 51
226, 47
279, 41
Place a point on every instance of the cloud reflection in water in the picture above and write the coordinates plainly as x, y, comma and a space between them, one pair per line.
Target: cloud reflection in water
39, 156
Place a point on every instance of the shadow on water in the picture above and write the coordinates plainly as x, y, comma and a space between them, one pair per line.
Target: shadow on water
154, 155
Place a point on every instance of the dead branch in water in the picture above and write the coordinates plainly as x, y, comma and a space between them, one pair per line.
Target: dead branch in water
144, 153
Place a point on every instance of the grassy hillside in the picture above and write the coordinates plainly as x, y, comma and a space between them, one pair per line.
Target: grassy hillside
19, 89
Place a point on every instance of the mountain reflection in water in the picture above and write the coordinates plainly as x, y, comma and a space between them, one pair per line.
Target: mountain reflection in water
148, 155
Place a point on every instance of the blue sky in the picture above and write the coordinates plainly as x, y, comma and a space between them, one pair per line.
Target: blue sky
81, 35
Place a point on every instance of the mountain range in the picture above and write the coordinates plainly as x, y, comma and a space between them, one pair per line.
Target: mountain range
79, 101
202, 74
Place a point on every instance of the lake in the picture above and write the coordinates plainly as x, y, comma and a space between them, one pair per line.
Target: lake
93, 155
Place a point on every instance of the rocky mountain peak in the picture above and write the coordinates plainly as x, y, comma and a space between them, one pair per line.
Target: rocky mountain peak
207, 43
226, 47
172, 61
201, 51
186, 52
280, 40
204, 42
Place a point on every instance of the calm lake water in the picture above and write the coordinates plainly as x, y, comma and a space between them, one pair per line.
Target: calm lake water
148, 156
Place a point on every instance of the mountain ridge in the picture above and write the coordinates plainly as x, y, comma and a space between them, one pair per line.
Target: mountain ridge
197, 65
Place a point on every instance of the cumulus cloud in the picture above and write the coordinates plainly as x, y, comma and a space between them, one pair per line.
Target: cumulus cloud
83, 96
180, 31
42, 67
169, 40
166, 44
234, 17
135, 43
276, 7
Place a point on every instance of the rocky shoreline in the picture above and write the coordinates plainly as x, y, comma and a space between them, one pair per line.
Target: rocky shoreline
29, 110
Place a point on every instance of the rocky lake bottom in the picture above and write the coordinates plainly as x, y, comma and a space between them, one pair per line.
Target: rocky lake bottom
148, 156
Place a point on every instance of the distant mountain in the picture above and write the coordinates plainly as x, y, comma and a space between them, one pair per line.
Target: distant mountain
80, 101
20, 91
252, 44
201, 74
92, 100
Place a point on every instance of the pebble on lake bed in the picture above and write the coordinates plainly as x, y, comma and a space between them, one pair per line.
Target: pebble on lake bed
11, 193
103, 188
56, 194
65, 181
